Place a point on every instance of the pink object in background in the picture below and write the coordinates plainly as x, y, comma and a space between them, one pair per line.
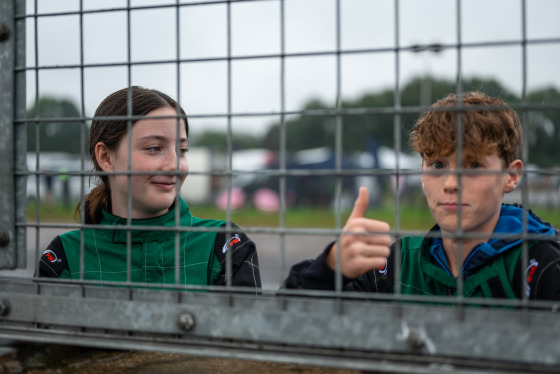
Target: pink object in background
266, 200
237, 199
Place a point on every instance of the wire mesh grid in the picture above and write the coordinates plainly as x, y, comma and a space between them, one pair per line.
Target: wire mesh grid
337, 115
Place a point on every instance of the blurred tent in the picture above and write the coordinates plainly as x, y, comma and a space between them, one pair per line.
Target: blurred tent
311, 176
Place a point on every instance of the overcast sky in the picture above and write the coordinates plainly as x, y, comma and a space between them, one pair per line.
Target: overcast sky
310, 26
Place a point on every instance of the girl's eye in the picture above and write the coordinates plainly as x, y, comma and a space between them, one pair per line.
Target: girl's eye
154, 149
184, 151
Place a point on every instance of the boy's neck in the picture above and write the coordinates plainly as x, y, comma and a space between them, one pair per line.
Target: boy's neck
451, 248
452, 245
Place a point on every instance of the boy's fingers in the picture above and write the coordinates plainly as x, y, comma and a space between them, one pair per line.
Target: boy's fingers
375, 227
361, 204
376, 250
364, 265
369, 231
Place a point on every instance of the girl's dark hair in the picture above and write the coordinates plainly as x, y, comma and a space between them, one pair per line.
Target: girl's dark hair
109, 125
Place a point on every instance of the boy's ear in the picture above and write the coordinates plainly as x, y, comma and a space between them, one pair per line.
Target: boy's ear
515, 171
422, 178
104, 157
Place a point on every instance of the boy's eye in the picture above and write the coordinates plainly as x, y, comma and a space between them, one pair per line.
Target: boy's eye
473, 165
437, 165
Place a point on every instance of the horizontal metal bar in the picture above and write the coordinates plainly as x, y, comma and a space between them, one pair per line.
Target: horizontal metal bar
292, 172
414, 109
520, 336
132, 8
267, 230
287, 55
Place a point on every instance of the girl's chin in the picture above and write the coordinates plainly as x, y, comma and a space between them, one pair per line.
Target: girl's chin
160, 208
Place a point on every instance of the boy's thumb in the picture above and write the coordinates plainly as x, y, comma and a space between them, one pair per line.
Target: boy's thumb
361, 204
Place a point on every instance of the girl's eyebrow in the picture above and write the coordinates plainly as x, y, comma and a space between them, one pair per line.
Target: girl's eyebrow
160, 137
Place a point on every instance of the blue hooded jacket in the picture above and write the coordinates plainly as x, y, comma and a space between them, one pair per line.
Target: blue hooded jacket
510, 222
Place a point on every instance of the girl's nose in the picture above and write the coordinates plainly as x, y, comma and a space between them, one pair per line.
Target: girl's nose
171, 160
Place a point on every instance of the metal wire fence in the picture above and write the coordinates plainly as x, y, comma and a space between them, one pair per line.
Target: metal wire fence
387, 332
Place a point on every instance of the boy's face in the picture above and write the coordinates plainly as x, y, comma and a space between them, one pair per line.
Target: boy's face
482, 186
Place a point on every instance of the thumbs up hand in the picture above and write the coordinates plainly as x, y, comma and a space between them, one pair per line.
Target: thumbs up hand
359, 252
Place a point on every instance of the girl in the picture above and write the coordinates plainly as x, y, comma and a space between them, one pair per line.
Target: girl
146, 168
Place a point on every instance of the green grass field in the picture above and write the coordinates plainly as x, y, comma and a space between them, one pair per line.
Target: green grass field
411, 218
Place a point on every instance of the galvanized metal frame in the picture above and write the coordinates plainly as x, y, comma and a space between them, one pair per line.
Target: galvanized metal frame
385, 336
13, 139
389, 334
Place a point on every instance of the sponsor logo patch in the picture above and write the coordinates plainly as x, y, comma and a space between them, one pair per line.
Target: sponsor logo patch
533, 264
51, 256
231, 242
383, 270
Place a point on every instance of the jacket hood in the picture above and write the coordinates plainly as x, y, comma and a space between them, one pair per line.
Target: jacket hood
511, 224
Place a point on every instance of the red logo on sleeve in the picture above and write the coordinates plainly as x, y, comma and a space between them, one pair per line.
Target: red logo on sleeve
531, 268
51, 256
231, 242
383, 270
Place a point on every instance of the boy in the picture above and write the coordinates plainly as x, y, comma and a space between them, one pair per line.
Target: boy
475, 234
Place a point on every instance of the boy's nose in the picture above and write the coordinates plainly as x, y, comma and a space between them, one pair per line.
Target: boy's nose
451, 182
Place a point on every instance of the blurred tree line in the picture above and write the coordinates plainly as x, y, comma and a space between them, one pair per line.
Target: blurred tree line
57, 135
368, 121
372, 119
217, 140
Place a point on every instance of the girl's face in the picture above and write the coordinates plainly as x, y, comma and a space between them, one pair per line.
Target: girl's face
153, 149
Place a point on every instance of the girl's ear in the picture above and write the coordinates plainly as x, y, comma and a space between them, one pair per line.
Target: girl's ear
514, 170
104, 157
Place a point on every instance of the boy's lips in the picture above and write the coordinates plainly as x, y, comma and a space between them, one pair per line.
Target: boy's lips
452, 205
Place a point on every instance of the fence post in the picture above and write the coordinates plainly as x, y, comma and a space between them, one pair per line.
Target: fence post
10, 238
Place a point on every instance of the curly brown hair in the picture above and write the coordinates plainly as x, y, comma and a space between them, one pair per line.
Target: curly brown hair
489, 126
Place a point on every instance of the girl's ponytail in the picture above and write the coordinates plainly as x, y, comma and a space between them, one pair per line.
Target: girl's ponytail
98, 198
